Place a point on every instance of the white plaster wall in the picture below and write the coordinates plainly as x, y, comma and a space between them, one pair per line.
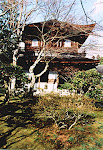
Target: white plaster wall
41, 85
52, 75
67, 43
52, 87
45, 86
34, 42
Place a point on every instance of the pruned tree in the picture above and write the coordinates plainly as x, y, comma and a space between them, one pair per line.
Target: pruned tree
64, 112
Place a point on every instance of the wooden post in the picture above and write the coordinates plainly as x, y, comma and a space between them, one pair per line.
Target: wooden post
57, 80
39, 83
76, 45
39, 43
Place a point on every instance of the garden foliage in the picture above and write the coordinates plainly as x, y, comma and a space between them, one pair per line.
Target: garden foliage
86, 82
8, 72
65, 112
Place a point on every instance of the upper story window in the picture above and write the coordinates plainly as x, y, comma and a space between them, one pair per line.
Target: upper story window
67, 43
60, 43
34, 42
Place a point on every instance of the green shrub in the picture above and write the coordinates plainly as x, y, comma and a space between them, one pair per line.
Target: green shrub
101, 60
95, 93
71, 139
98, 143
86, 82
65, 112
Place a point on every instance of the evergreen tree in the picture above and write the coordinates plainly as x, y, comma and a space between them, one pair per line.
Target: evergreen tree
10, 73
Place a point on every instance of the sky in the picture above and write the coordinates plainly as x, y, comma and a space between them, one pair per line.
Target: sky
95, 11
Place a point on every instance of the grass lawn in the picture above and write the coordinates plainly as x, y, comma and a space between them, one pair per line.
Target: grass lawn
19, 131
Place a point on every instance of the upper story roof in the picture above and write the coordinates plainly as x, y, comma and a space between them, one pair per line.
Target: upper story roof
58, 30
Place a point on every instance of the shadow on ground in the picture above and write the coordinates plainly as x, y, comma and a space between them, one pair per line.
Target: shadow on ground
15, 115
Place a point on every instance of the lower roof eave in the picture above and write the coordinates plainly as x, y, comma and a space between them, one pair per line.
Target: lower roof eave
74, 62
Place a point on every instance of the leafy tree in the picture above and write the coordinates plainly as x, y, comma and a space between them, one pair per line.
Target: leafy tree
8, 40
13, 18
7, 73
101, 60
86, 82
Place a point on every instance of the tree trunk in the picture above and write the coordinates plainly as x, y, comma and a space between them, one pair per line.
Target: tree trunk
13, 83
33, 76
13, 80
7, 96
33, 79
7, 92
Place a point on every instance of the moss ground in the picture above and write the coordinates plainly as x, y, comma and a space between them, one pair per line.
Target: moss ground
18, 130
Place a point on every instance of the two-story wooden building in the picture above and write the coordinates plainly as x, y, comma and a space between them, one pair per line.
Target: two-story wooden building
61, 41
